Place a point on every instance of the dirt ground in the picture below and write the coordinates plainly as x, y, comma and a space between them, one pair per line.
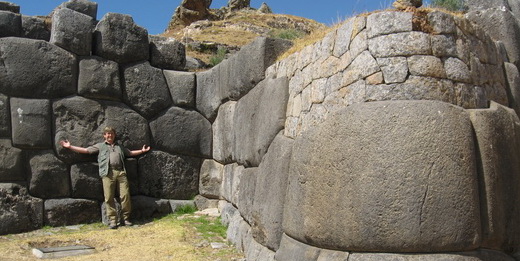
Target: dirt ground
175, 237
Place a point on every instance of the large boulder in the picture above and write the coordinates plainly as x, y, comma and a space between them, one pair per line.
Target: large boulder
7, 6
167, 53
395, 176
182, 132
72, 31
69, 211
271, 186
99, 79
11, 165
145, 89
497, 131
48, 176
168, 176
246, 193
190, 11
259, 116
182, 87
19, 212
34, 27
210, 180
223, 133
83, 6
238, 4
144, 208
10, 24
480, 5
291, 249
132, 129
36, 69
482, 254
31, 123
118, 38
85, 181
231, 182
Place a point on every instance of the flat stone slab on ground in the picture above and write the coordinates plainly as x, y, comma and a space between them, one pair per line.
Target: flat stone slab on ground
58, 252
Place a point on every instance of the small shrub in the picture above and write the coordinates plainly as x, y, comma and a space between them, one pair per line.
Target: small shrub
218, 57
451, 5
186, 209
287, 34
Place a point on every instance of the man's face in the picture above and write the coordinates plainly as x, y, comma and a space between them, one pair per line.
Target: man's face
109, 137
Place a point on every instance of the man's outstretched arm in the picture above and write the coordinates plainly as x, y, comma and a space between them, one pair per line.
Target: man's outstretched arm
139, 152
66, 144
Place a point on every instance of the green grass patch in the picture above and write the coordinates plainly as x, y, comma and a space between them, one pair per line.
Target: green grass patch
287, 34
218, 57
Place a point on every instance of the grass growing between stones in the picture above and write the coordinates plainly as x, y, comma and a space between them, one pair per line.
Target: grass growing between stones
174, 237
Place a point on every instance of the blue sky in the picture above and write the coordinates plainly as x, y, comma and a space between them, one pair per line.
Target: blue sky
154, 15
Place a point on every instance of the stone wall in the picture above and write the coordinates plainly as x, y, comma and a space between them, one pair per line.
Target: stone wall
393, 138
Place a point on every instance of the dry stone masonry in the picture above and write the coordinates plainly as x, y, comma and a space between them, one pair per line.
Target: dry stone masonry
395, 137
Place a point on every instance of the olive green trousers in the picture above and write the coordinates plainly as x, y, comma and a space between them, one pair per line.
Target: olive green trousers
116, 179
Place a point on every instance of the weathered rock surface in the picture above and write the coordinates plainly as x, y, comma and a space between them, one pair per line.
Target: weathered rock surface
147, 207
238, 4
10, 24
190, 11
86, 182
497, 132
182, 87
36, 69
48, 176
7, 6
291, 249
270, 190
83, 6
210, 179
99, 79
259, 116
460, 256
182, 132
72, 31
145, 89
339, 168
167, 53
35, 28
246, 193
31, 123
118, 38
11, 165
69, 211
223, 133
19, 211
169, 176
5, 119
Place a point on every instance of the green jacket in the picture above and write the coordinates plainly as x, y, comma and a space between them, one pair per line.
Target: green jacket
104, 156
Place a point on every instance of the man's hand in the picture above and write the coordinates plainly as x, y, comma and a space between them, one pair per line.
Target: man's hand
65, 143
145, 148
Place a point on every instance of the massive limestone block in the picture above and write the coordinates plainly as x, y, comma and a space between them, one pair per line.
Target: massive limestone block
346, 32
400, 44
223, 133
72, 31
48, 176
259, 116
497, 131
441, 22
258, 252
167, 53
182, 87
269, 197
145, 89
395, 176
79, 121
236, 76
36, 69
501, 25
389, 22
146, 207
246, 193
5, 119
11, 165
20, 212
132, 129
118, 38
182, 132
10, 24
513, 80
86, 182
34, 27
99, 79
83, 6
482, 5
69, 211
291, 249
478, 255
210, 180
231, 181
31, 123
168, 176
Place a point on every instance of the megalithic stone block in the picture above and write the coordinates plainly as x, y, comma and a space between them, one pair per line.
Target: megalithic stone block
397, 176
72, 31
497, 131
31, 123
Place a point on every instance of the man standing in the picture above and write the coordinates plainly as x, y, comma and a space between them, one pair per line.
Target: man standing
112, 171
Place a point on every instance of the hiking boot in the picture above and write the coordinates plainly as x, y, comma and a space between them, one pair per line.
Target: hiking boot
128, 223
112, 225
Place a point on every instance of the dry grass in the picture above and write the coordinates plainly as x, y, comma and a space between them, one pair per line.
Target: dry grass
169, 238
